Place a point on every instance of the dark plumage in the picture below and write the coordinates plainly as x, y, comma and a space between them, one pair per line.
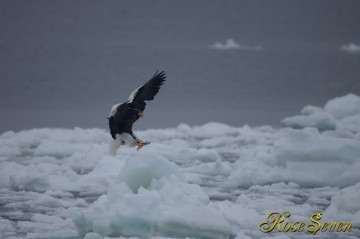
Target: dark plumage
122, 116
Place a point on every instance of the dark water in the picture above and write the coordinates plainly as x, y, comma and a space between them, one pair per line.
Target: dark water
65, 63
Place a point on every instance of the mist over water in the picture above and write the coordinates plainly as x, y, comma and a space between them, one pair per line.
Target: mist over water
64, 64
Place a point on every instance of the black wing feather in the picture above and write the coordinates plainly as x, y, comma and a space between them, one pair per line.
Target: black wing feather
148, 91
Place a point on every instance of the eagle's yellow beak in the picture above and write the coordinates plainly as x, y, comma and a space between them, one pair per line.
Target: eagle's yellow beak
141, 114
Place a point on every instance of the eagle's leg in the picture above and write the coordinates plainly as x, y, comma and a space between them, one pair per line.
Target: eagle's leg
138, 142
115, 144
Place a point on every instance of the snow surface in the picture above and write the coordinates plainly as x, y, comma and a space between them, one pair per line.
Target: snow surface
231, 44
208, 181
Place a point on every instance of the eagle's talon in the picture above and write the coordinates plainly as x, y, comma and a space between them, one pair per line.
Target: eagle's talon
140, 145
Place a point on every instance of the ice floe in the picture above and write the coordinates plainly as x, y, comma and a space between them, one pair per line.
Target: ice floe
345, 205
152, 198
341, 113
231, 44
351, 48
206, 181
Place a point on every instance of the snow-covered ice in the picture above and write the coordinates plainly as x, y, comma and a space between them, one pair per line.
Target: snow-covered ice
345, 205
207, 181
341, 114
152, 198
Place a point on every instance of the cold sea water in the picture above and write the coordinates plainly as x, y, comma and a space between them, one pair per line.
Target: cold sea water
65, 65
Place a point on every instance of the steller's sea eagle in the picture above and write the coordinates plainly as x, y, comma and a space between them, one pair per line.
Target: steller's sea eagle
123, 115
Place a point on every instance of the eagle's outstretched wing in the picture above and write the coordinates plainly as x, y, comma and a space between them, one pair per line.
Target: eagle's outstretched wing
147, 91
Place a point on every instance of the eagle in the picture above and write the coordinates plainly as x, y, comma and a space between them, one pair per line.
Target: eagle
123, 115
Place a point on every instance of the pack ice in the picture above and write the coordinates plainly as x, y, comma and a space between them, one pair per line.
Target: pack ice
208, 181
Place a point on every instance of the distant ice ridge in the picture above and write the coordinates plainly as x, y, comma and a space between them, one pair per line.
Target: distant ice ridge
62, 183
304, 157
341, 113
351, 48
231, 44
